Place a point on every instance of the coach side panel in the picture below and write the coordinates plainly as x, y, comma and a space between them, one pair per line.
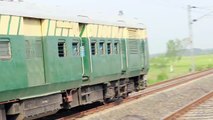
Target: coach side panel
30, 57
13, 68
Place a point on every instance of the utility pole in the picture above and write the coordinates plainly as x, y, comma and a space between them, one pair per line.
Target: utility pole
190, 23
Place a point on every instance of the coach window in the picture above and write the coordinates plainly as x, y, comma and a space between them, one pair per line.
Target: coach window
93, 48
116, 48
5, 51
101, 48
109, 48
75, 49
61, 48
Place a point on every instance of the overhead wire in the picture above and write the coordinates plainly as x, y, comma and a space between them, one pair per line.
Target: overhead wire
199, 11
207, 14
183, 6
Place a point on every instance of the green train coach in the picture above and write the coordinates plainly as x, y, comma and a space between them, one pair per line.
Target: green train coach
50, 62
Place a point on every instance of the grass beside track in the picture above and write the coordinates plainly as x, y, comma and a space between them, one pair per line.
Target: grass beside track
160, 71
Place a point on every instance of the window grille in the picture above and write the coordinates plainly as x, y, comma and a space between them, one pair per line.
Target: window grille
101, 48
116, 48
61, 48
109, 48
75, 49
5, 52
93, 48
133, 47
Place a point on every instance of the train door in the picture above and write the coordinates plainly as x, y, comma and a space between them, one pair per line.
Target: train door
142, 51
123, 55
34, 51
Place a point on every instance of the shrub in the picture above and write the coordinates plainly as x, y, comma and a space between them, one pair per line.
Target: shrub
209, 66
162, 76
199, 68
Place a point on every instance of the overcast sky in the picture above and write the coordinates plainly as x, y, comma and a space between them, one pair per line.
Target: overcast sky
164, 19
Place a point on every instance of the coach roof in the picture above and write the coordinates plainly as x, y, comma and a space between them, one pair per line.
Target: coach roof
26, 9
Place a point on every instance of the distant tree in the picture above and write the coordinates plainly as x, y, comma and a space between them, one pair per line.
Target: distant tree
174, 49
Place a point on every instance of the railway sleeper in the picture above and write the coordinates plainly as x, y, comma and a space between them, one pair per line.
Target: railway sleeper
34, 108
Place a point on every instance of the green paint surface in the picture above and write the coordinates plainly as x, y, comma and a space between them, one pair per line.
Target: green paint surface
134, 61
102, 64
34, 61
37, 90
36, 68
146, 57
61, 69
13, 73
8, 29
123, 53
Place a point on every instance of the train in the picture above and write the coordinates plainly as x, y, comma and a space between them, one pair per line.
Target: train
53, 61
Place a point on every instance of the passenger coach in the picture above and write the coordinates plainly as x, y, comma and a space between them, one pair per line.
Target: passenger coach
51, 62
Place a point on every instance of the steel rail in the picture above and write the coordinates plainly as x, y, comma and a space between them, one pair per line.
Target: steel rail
180, 112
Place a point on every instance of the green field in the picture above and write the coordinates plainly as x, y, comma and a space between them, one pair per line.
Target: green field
160, 67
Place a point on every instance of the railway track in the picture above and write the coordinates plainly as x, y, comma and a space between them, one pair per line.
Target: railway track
161, 86
199, 109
